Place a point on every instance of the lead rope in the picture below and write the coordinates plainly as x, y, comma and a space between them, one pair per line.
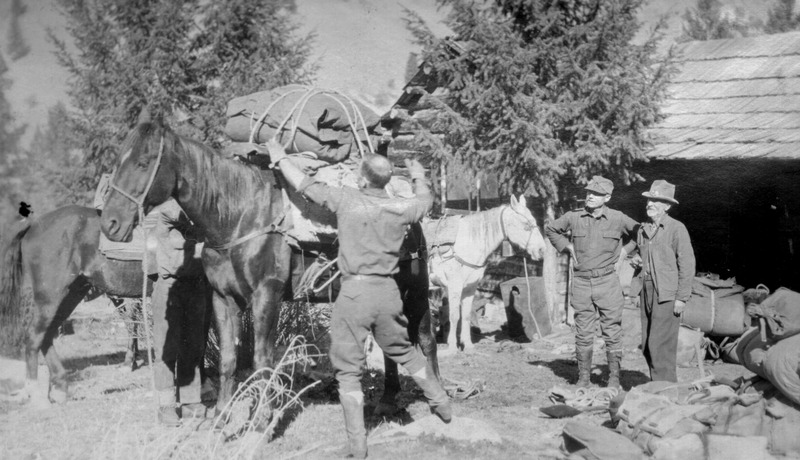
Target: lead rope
140, 210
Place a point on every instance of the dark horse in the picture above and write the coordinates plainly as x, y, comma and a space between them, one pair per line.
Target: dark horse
49, 265
239, 211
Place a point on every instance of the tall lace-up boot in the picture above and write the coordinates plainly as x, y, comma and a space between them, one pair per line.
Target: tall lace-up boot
614, 360
584, 358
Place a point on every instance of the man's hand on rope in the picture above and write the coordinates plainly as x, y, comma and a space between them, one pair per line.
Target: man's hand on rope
276, 151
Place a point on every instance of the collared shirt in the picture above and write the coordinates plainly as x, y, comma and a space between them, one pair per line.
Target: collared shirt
597, 239
371, 225
668, 257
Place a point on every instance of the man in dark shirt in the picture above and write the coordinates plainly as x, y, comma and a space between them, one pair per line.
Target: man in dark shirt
665, 280
593, 238
371, 227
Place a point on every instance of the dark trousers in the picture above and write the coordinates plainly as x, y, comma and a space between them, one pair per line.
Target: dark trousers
659, 334
363, 306
593, 297
179, 316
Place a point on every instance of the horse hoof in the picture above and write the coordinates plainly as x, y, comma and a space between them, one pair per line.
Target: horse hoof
385, 409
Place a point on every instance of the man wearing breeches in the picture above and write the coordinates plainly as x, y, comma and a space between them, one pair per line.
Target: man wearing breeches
180, 300
593, 238
371, 228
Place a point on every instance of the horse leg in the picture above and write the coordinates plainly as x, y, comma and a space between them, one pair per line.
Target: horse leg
391, 387
225, 318
266, 304
454, 303
59, 391
468, 294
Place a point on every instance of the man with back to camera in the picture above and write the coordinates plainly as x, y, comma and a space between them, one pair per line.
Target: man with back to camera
595, 245
371, 228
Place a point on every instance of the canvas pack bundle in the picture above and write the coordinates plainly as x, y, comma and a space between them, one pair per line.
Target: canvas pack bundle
690, 343
781, 310
716, 307
303, 119
777, 361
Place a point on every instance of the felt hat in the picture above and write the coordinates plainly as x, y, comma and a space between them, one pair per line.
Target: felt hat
661, 190
600, 184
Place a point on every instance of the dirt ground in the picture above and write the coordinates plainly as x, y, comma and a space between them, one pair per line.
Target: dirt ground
111, 413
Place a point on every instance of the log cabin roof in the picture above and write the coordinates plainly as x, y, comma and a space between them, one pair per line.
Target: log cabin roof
735, 98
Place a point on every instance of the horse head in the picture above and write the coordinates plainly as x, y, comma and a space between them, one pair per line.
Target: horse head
144, 178
521, 229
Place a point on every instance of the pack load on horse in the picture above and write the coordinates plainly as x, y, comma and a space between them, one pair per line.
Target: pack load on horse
250, 255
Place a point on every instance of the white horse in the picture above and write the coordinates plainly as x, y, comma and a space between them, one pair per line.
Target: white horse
459, 247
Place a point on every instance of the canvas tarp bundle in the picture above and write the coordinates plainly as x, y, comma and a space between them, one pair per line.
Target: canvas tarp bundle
781, 311
309, 120
776, 361
716, 307
670, 421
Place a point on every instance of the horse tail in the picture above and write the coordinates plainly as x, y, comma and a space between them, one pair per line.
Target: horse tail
12, 333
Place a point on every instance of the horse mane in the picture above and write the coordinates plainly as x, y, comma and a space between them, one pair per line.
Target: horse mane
478, 235
228, 186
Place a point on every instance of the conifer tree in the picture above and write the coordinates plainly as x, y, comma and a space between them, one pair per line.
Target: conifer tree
183, 59
781, 18
544, 93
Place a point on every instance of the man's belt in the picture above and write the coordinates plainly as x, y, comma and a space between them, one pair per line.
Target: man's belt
364, 277
596, 273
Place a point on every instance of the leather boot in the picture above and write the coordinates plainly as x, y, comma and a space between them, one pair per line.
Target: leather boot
614, 359
354, 425
584, 358
435, 394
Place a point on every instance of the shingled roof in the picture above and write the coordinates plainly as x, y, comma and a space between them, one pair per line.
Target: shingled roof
737, 98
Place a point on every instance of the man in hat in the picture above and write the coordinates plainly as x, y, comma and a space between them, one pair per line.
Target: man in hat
593, 237
372, 226
665, 279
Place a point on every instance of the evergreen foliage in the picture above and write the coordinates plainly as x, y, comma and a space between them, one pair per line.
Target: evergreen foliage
183, 60
781, 18
10, 154
17, 48
545, 93
710, 21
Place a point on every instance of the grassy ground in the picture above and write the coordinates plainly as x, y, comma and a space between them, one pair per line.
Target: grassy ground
111, 411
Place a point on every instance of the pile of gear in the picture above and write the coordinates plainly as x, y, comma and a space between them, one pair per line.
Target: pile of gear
713, 418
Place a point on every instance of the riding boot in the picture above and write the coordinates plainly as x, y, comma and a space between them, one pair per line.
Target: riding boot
614, 359
435, 394
353, 408
584, 358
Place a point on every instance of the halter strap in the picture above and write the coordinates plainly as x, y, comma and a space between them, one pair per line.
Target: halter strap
140, 201
503, 227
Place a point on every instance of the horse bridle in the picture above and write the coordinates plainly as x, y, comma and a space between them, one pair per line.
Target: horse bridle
503, 226
140, 201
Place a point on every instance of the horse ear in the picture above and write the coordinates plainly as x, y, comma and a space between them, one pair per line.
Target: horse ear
514, 202
522, 201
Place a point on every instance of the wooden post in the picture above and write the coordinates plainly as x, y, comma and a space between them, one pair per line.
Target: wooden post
550, 273
443, 186
478, 194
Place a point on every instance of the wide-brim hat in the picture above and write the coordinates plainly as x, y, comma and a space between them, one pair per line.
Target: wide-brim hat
661, 190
